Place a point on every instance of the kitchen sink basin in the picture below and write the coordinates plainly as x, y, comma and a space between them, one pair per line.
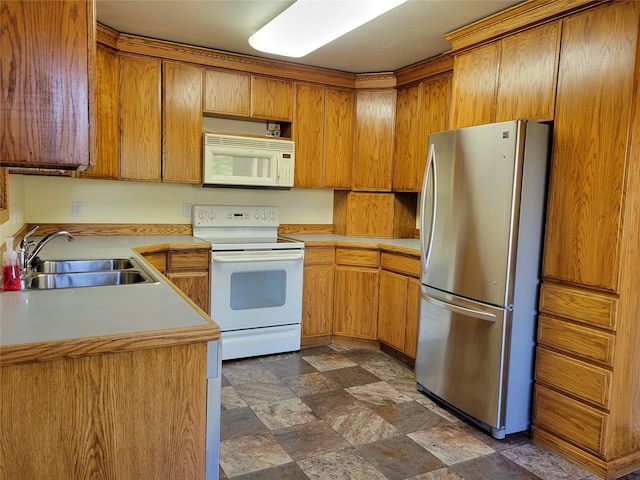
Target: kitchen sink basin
46, 281
92, 265
54, 274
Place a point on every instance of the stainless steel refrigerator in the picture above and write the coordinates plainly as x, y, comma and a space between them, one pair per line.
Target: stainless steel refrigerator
482, 218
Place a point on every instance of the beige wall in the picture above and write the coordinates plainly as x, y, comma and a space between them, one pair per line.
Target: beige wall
16, 208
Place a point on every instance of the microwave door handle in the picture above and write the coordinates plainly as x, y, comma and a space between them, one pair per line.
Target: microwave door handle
271, 257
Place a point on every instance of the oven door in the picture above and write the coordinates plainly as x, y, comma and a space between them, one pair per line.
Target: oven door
254, 289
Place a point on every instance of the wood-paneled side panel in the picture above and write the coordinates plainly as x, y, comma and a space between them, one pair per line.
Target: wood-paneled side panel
338, 137
528, 74
375, 125
308, 133
474, 87
129, 415
595, 83
226, 93
181, 123
4, 195
140, 118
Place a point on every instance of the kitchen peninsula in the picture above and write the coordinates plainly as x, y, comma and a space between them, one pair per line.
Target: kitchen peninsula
115, 380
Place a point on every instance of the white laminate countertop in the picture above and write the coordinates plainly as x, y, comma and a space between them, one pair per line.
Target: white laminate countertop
34, 316
411, 245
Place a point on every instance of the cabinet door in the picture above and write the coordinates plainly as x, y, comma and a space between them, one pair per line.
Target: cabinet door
317, 301
375, 124
413, 317
422, 110
226, 93
338, 138
4, 195
107, 164
586, 191
392, 309
308, 135
271, 99
474, 86
139, 118
356, 302
46, 75
194, 285
528, 73
181, 123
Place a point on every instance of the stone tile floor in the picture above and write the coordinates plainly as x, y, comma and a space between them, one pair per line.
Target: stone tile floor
336, 412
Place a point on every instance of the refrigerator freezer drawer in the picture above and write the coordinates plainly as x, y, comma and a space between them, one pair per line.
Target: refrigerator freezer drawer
461, 354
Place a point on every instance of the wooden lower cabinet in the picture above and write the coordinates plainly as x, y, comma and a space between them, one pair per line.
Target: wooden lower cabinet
317, 295
398, 302
127, 415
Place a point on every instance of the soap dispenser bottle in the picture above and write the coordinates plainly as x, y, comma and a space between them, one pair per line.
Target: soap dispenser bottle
10, 268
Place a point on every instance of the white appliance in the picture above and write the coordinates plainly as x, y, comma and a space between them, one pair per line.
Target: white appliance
253, 162
255, 279
483, 209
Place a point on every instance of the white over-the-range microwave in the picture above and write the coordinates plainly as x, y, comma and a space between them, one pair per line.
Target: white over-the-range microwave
250, 162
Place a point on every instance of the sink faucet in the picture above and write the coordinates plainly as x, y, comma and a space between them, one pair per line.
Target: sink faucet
27, 257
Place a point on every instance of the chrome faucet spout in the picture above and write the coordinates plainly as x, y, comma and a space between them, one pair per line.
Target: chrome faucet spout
27, 258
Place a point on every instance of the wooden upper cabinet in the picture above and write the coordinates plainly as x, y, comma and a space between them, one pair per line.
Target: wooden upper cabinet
421, 109
308, 134
107, 164
474, 86
528, 74
593, 113
140, 142
47, 79
375, 125
227, 93
338, 138
181, 123
271, 99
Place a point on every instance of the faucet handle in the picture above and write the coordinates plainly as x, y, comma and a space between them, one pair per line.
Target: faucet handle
24, 243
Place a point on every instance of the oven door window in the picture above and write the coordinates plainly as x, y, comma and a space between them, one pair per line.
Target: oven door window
258, 289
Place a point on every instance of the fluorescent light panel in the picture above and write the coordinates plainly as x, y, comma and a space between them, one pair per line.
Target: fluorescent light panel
309, 24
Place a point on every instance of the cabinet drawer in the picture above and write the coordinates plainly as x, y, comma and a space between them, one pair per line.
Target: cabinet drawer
579, 379
188, 260
577, 423
579, 305
360, 257
401, 264
581, 341
319, 256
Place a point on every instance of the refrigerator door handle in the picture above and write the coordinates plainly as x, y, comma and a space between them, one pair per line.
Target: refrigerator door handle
469, 312
431, 167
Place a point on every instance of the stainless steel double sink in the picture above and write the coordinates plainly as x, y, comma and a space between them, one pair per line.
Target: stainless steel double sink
53, 274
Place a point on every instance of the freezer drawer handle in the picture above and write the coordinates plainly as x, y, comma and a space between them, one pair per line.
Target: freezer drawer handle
489, 317
274, 257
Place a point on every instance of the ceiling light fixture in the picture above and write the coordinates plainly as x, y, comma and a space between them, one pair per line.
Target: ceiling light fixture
309, 24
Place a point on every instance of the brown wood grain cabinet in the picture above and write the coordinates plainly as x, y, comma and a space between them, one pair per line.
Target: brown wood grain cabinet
226, 93
318, 298
181, 123
47, 79
356, 293
507, 79
271, 98
4, 195
586, 394
338, 137
373, 141
107, 164
398, 301
421, 109
308, 133
140, 118
188, 269
127, 415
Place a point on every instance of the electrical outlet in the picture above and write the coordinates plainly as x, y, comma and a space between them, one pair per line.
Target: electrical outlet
76, 209
186, 209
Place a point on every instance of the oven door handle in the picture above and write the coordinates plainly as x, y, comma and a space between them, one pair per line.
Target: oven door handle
270, 257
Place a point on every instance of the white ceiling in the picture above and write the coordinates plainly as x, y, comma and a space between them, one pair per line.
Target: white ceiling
408, 34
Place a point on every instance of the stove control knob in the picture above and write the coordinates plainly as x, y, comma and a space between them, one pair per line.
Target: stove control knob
272, 215
264, 215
